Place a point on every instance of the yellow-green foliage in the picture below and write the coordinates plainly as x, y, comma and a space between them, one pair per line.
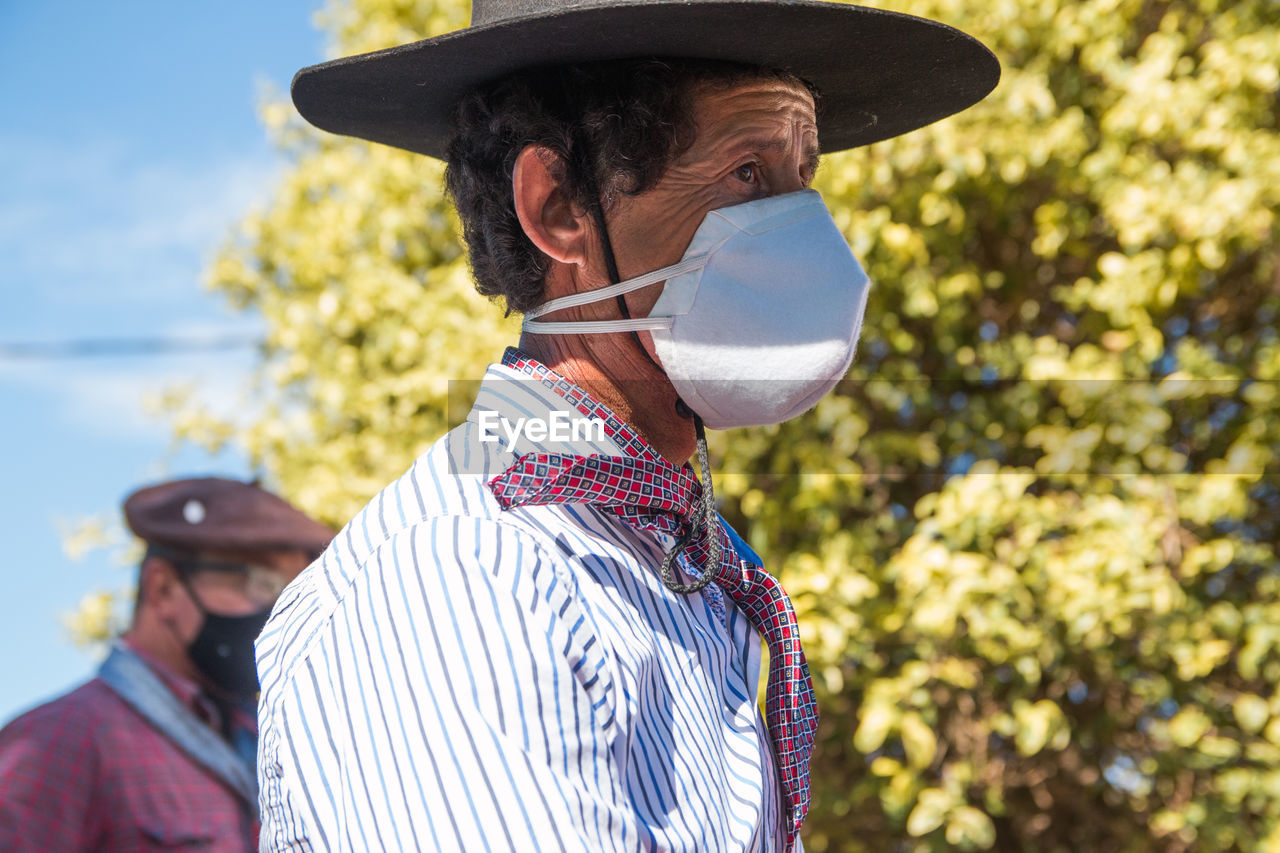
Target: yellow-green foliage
1033, 538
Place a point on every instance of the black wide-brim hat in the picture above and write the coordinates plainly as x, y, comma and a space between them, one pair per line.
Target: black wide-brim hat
879, 73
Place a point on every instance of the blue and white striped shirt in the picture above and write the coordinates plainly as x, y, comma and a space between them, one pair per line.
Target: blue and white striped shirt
450, 676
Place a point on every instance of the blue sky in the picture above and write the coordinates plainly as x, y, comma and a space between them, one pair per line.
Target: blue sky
129, 144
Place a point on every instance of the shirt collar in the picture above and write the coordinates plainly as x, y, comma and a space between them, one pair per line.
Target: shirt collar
524, 407
192, 697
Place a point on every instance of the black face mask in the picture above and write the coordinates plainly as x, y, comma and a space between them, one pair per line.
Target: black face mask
223, 651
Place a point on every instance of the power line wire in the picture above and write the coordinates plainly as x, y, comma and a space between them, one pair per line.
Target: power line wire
98, 347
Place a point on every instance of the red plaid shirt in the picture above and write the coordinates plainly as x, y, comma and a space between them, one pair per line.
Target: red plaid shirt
86, 772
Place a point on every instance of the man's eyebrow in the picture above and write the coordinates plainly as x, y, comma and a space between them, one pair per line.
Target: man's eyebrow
780, 145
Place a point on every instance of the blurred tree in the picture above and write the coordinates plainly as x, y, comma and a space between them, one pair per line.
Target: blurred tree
1033, 537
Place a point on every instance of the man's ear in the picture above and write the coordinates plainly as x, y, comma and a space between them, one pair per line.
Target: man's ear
545, 212
158, 585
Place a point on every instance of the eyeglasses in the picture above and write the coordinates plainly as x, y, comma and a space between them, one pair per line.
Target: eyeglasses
261, 585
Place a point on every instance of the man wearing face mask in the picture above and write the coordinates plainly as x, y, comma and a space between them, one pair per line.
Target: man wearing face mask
543, 636
157, 751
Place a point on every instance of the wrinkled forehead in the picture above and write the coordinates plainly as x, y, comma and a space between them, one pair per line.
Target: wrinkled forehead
765, 114
751, 90
748, 78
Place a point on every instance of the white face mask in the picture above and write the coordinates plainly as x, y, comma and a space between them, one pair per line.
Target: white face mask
757, 322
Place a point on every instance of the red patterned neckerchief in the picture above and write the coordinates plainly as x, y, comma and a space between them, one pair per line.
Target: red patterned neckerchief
650, 493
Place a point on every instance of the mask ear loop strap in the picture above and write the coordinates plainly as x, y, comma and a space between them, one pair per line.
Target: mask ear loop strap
611, 265
587, 297
588, 173
191, 591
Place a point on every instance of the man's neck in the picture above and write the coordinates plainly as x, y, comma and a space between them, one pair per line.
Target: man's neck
632, 386
159, 647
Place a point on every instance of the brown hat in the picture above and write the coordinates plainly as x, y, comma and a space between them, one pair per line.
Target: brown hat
216, 514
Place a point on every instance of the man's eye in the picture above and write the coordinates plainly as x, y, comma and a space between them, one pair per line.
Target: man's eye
746, 173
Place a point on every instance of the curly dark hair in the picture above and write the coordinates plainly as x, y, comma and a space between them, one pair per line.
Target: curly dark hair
614, 127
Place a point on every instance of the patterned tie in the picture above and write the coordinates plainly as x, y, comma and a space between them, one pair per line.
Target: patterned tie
652, 494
